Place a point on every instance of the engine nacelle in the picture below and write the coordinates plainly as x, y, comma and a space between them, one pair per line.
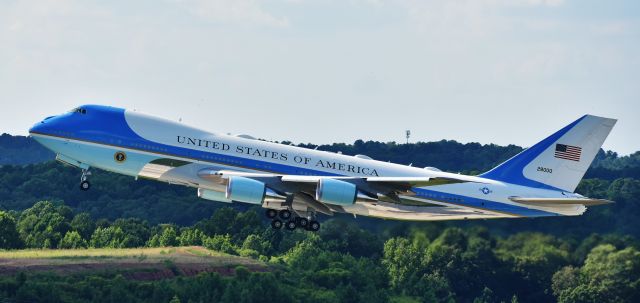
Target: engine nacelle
245, 190
212, 195
332, 191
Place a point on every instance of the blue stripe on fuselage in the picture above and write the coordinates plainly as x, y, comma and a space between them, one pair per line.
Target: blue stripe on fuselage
480, 203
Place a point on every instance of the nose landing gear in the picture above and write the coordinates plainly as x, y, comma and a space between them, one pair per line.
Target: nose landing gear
84, 183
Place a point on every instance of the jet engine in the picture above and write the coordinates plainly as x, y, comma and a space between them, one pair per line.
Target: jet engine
245, 190
332, 191
212, 195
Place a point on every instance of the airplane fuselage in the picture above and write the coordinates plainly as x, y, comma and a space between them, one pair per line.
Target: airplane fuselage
139, 145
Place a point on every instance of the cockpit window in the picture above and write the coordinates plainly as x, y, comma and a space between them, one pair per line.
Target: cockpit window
78, 110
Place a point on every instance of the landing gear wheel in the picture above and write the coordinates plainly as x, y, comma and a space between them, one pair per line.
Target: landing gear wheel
271, 213
85, 185
276, 224
291, 225
285, 214
303, 222
314, 226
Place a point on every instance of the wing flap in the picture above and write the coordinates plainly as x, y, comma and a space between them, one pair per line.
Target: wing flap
419, 213
560, 201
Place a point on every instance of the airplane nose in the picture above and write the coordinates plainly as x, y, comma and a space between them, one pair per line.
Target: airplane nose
36, 128
40, 127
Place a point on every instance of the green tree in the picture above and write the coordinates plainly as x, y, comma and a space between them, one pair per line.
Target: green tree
533, 258
402, 260
256, 243
110, 237
72, 239
220, 223
220, 243
44, 224
190, 236
608, 275
168, 237
9, 237
154, 241
136, 231
347, 237
83, 224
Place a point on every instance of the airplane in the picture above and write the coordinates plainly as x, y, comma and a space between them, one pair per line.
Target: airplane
296, 184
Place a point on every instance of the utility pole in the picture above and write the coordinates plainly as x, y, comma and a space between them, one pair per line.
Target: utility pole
408, 133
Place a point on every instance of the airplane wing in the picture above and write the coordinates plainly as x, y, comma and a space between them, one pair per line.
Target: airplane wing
371, 192
369, 185
439, 178
384, 197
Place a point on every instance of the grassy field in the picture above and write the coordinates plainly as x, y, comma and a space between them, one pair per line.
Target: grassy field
160, 252
169, 261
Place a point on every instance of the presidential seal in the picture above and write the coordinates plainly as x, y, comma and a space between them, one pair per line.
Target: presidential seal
120, 157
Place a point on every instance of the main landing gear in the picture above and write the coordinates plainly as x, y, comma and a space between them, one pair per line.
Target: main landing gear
285, 218
84, 183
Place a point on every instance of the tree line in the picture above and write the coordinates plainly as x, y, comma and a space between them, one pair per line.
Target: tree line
342, 263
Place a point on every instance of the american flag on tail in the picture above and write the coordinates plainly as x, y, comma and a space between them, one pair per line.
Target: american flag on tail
568, 152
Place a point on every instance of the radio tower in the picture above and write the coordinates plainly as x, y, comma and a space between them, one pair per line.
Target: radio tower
408, 133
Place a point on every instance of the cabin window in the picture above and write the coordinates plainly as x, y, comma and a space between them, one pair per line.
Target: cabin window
79, 110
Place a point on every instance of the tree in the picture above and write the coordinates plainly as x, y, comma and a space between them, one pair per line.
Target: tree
256, 243
190, 236
43, 225
347, 237
9, 237
220, 223
168, 237
533, 258
83, 224
110, 237
136, 231
220, 243
608, 275
402, 260
72, 239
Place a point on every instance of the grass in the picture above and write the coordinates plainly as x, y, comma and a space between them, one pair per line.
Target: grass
68, 261
140, 254
82, 253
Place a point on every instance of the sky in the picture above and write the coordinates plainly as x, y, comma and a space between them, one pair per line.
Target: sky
488, 71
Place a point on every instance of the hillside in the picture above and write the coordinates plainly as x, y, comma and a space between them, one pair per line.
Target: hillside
20, 150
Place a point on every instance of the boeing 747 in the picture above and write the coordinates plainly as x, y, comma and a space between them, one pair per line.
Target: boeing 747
296, 184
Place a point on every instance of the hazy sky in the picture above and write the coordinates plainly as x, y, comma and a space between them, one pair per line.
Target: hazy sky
488, 71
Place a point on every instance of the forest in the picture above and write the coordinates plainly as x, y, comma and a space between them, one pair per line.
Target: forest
590, 258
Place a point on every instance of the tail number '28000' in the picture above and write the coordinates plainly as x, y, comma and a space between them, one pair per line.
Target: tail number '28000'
545, 170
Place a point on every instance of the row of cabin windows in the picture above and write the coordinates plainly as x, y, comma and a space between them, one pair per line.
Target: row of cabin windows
443, 197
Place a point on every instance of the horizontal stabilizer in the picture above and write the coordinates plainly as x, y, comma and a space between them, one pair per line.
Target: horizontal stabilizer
560, 201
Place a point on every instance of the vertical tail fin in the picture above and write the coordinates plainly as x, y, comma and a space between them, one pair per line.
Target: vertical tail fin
559, 161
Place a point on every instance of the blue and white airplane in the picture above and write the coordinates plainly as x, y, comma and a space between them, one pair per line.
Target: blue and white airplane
296, 184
